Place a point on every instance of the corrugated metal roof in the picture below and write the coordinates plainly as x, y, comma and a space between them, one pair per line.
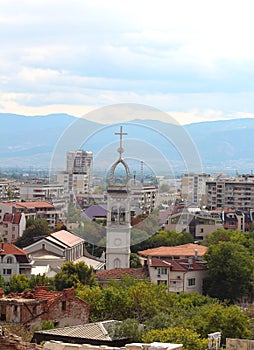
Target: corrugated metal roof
96, 331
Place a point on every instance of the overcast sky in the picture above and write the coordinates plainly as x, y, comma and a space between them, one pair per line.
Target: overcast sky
193, 59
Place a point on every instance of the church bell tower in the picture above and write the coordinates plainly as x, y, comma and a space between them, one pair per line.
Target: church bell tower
118, 215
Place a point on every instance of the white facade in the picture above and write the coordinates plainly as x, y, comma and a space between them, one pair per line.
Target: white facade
118, 217
194, 188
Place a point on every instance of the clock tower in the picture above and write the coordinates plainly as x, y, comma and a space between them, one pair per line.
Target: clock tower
118, 215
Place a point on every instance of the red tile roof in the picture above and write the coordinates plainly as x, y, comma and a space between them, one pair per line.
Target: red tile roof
8, 248
29, 205
156, 262
188, 249
119, 273
12, 218
38, 293
179, 264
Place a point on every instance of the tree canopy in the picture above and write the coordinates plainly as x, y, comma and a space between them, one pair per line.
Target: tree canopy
34, 228
230, 269
72, 274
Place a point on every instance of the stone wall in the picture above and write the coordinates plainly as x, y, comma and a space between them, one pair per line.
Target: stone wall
239, 344
55, 345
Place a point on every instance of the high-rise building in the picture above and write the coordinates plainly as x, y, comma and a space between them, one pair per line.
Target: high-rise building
237, 194
77, 179
79, 162
194, 188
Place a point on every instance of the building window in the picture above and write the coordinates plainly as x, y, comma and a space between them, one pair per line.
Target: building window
9, 260
162, 282
7, 271
162, 271
63, 305
191, 282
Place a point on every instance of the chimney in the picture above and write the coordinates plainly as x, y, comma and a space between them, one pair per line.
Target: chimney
69, 292
196, 254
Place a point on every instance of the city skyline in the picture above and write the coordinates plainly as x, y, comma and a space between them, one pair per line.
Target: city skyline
192, 60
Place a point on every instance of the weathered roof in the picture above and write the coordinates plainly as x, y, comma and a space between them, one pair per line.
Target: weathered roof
95, 331
189, 249
67, 238
119, 273
179, 264
38, 293
12, 218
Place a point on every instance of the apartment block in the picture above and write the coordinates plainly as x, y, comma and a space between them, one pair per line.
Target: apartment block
194, 188
237, 194
77, 178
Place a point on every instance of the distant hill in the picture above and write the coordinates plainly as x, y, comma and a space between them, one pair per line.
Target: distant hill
221, 145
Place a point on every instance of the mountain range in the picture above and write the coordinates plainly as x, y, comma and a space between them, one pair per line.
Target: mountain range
42, 141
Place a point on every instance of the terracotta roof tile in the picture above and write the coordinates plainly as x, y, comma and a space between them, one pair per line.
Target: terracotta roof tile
8, 248
181, 250
29, 205
13, 218
179, 264
38, 293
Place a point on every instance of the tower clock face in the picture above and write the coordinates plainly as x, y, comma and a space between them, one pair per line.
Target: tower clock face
117, 242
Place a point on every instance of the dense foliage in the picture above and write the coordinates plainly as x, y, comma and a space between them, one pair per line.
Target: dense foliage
230, 265
34, 228
152, 306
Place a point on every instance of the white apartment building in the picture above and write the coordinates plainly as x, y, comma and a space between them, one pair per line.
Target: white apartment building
194, 188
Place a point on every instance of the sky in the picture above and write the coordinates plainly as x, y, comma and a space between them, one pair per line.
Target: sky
192, 59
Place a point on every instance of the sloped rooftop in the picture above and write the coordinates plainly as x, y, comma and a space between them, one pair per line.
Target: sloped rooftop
189, 249
67, 238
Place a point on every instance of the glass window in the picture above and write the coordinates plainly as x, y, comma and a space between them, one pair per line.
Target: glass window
191, 282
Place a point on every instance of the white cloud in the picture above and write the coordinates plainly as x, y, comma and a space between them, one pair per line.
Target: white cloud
189, 57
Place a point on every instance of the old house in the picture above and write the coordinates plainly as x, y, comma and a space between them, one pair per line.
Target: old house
12, 226
32, 307
181, 275
182, 268
14, 261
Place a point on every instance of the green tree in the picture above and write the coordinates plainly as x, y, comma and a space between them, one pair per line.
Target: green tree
17, 284
41, 280
179, 335
72, 274
129, 328
2, 282
230, 270
34, 228
134, 260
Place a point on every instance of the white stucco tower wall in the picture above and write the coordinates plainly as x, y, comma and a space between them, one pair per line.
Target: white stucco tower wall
118, 216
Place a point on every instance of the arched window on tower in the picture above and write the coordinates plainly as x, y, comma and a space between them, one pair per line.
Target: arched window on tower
122, 215
114, 215
117, 263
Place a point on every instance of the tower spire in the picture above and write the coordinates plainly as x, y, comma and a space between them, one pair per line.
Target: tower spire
120, 150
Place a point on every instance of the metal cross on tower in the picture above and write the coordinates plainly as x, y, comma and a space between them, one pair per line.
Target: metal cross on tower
121, 133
